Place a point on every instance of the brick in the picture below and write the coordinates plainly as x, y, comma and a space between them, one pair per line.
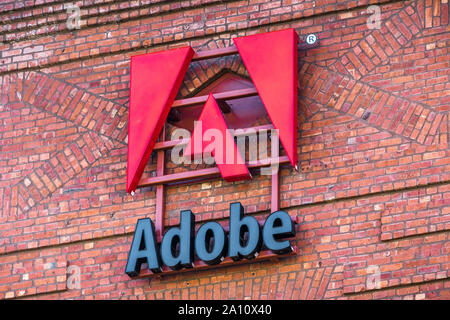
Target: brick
372, 185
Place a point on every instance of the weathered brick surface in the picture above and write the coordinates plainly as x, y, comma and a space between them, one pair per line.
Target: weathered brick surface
427, 212
33, 273
371, 194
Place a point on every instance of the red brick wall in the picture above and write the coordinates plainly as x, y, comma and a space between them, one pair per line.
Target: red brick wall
372, 192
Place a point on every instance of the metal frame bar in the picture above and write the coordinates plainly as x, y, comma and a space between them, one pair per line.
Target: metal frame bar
201, 173
215, 53
275, 192
199, 265
170, 144
228, 95
159, 221
228, 51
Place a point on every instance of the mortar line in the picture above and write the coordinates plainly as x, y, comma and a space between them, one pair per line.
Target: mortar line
397, 286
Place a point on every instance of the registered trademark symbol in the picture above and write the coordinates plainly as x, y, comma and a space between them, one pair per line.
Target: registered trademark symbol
311, 38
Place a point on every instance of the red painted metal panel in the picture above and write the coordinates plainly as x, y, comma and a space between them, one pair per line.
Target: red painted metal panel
155, 79
271, 61
212, 118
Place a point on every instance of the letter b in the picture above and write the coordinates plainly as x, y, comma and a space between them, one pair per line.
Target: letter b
239, 247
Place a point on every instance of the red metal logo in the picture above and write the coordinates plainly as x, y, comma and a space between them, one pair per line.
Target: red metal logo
271, 61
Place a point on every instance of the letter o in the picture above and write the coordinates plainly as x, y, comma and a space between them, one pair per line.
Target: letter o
203, 238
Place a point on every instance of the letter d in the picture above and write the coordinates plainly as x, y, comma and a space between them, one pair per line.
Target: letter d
182, 238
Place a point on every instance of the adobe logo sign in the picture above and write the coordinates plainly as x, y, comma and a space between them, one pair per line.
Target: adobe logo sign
271, 61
